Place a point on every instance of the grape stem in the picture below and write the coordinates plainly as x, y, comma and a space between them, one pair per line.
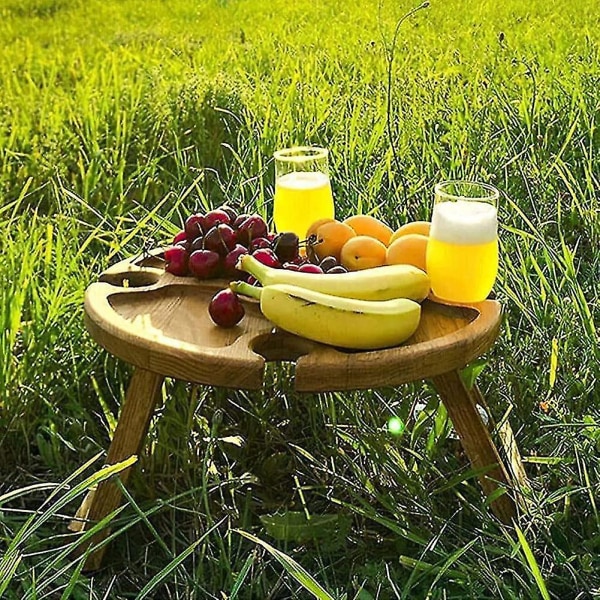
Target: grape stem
241, 287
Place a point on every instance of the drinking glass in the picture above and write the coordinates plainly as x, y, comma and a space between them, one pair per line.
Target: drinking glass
302, 189
462, 252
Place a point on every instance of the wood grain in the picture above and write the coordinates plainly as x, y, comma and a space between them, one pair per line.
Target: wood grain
161, 323
128, 440
477, 442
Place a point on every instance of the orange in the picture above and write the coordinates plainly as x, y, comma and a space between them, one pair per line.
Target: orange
370, 226
420, 227
409, 249
330, 237
362, 252
313, 228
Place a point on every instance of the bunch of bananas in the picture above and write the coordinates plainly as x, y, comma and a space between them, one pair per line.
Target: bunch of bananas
363, 310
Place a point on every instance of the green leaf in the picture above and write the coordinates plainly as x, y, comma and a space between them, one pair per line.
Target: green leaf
295, 526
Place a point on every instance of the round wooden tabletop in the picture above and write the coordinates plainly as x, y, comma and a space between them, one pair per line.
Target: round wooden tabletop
159, 322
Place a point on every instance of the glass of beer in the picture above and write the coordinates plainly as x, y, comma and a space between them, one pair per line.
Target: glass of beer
462, 252
302, 189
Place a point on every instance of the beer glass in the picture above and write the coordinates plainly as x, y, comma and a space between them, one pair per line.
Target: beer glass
302, 189
462, 252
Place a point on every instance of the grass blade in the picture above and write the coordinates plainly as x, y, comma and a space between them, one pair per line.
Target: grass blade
299, 573
533, 565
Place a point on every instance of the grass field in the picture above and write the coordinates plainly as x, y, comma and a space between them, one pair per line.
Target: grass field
120, 118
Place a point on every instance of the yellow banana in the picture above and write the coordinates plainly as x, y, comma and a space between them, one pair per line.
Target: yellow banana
380, 283
342, 322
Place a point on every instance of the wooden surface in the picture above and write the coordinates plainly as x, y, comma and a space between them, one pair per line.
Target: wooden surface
477, 442
128, 440
160, 322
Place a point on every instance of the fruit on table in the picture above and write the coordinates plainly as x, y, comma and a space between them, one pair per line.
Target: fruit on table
409, 249
329, 238
286, 246
310, 268
226, 309
313, 228
362, 252
176, 260
267, 257
194, 226
383, 283
231, 259
220, 239
253, 227
420, 227
204, 264
371, 227
231, 235
334, 320
214, 218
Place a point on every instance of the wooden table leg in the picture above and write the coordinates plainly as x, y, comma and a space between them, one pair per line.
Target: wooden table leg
476, 441
508, 446
130, 433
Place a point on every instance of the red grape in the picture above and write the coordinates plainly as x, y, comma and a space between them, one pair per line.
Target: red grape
310, 268
176, 259
267, 257
214, 217
286, 246
204, 264
180, 237
194, 226
225, 308
230, 261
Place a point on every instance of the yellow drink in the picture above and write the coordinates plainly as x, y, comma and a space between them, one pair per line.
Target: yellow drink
462, 252
301, 198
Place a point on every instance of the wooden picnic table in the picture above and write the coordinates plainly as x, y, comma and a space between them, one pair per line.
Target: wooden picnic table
159, 323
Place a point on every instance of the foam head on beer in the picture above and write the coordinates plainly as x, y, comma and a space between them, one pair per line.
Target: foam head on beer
464, 222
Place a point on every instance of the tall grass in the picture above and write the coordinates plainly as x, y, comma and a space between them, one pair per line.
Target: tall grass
120, 118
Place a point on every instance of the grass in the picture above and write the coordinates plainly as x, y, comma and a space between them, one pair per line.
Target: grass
120, 118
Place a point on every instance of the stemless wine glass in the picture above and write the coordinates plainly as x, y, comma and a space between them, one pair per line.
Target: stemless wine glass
462, 252
302, 189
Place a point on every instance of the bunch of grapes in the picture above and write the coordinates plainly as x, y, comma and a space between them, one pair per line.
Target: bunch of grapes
210, 245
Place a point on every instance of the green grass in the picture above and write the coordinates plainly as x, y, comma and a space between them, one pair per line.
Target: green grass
120, 118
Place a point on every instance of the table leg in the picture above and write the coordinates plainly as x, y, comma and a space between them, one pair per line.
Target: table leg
130, 433
476, 440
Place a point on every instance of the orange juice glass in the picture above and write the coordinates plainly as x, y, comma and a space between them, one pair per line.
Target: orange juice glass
302, 189
462, 252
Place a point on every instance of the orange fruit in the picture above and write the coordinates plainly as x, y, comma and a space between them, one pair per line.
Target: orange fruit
420, 227
313, 228
362, 252
330, 237
409, 249
370, 226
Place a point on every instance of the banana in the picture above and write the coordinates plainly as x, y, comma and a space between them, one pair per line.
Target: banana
380, 283
342, 322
